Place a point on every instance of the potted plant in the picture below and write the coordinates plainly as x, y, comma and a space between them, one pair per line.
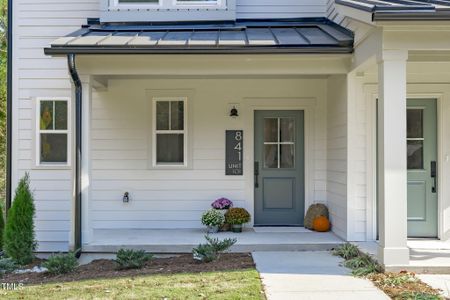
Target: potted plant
222, 204
236, 217
213, 219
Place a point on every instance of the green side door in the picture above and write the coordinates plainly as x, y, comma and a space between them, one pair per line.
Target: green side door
422, 168
279, 168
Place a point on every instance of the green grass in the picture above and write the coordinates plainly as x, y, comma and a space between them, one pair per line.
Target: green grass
243, 284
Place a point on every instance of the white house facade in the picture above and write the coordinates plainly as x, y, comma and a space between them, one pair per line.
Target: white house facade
121, 109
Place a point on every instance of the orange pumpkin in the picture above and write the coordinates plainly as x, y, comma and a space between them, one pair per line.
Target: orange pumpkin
321, 224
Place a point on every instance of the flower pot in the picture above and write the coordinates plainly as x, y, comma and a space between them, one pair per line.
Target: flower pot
213, 229
236, 227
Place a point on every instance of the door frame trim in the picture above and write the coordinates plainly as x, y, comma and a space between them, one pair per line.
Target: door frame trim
439, 92
305, 104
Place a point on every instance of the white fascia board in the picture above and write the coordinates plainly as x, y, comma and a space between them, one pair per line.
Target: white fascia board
359, 15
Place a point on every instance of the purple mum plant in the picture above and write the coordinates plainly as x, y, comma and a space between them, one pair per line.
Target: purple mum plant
222, 203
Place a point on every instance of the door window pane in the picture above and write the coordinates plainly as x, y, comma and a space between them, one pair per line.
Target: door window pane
271, 156
162, 115
287, 156
177, 115
287, 128
270, 130
415, 154
414, 123
170, 148
53, 148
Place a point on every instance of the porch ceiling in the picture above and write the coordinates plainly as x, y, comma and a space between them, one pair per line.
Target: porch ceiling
316, 35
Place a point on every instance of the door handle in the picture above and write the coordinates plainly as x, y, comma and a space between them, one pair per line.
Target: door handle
256, 171
434, 176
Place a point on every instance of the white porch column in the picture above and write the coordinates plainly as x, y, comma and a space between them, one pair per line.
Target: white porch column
392, 174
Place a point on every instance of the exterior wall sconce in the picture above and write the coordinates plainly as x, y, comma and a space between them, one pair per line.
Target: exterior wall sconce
234, 112
126, 197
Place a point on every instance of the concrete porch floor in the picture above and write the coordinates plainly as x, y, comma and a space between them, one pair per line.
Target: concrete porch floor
426, 256
183, 240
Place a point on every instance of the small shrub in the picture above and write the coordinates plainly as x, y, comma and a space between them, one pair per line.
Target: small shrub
362, 265
19, 238
2, 226
212, 217
211, 251
61, 263
220, 246
346, 251
236, 216
204, 253
132, 259
7, 265
418, 296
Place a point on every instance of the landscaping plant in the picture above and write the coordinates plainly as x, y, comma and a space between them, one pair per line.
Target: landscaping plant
346, 251
397, 286
61, 263
2, 226
7, 265
212, 249
19, 237
132, 259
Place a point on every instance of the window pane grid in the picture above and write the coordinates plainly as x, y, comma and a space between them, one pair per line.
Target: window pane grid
170, 139
274, 150
53, 133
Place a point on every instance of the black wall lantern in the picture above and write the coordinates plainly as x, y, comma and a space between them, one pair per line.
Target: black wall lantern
126, 197
234, 112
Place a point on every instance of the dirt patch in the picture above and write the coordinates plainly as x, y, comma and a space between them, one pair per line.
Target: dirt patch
107, 268
403, 285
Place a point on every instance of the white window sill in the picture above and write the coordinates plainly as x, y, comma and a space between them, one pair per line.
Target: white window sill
52, 167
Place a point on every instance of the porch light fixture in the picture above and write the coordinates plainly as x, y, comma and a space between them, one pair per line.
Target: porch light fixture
126, 197
234, 112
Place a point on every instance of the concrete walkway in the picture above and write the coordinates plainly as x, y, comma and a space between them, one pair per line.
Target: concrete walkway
310, 275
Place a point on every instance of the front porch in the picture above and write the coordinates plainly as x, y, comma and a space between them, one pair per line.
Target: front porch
183, 240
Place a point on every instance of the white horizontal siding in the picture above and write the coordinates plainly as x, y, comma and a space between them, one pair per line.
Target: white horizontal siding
36, 24
120, 151
254, 9
337, 154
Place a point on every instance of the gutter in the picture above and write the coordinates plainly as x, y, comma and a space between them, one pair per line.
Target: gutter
77, 176
9, 96
64, 50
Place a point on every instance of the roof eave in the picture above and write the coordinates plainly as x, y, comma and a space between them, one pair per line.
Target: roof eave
64, 50
410, 16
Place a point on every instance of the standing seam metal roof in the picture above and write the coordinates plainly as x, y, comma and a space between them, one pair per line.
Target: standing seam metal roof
256, 36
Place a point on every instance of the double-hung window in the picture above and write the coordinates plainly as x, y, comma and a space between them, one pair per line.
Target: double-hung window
52, 136
167, 4
169, 134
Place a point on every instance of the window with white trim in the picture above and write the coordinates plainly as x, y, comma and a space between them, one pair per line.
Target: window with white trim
169, 134
52, 123
166, 4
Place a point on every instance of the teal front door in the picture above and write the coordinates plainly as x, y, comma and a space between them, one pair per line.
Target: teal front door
422, 168
279, 168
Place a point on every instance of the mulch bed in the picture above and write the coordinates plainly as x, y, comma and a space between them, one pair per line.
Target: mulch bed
104, 268
405, 289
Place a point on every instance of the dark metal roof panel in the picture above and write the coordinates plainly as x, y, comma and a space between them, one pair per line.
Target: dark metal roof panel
256, 36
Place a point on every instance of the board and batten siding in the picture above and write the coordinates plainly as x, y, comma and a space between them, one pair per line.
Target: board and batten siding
161, 198
36, 24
